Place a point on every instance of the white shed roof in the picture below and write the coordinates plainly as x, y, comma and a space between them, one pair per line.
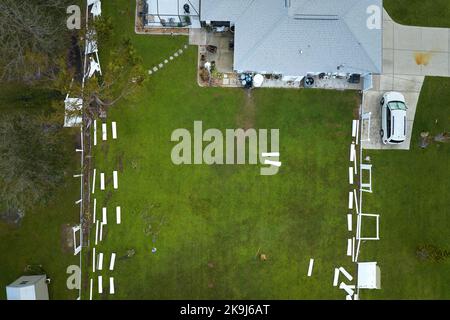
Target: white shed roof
368, 275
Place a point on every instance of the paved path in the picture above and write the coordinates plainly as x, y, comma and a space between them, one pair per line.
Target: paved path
409, 54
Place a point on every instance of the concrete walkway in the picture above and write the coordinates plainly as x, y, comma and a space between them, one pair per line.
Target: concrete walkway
409, 54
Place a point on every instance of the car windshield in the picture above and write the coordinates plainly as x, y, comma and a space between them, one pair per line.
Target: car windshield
397, 105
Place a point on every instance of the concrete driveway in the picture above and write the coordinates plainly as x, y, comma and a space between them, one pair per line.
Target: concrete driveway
409, 50
409, 54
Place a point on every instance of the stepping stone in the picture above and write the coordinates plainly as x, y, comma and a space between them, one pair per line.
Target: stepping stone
171, 58
180, 51
185, 46
166, 61
160, 65
150, 71
155, 69
176, 54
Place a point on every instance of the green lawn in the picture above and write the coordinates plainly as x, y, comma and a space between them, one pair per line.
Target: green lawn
209, 222
430, 13
38, 240
411, 192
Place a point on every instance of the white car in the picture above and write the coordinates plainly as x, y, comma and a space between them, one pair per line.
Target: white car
393, 118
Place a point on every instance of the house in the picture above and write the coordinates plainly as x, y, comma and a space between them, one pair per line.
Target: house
300, 37
28, 288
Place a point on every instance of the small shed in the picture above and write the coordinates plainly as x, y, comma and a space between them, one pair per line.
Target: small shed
369, 275
28, 288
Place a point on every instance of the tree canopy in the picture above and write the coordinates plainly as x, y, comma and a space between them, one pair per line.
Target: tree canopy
32, 38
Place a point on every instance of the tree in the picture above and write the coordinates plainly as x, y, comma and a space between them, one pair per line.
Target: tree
34, 156
31, 37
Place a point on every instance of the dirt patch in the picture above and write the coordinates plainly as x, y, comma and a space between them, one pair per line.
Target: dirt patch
246, 117
66, 238
107, 198
120, 162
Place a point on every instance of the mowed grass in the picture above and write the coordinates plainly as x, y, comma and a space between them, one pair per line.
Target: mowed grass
431, 13
39, 240
411, 192
209, 223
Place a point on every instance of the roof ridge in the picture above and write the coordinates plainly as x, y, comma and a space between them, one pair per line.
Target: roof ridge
375, 65
259, 43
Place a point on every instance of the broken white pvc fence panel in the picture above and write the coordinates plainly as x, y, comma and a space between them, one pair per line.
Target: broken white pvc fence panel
352, 152
336, 277
104, 132
348, 297
90, 288
100, 284
112, 261
105, 218
118, 215
93, 67
102, 181
114, 130
111, 285
353, 250
346, 288
357, 131
96, 231
377, 225
356, 200
95, 132
350, 175
353, 157
310, 268
349, 247
350, 200
93, 260
346, 274
100, 261
95, 211
349, 222
115, 180
354, 128
366, 186
76, 244
93, 180
101, 232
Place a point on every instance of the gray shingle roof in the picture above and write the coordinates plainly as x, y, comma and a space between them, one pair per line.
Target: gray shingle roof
305, 36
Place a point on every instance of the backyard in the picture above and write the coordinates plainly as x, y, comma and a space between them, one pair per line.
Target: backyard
211, 223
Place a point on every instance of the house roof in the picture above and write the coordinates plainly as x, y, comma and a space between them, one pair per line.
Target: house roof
294, 37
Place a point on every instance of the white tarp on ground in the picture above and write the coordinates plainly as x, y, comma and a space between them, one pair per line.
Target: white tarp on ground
73, 112
368, 275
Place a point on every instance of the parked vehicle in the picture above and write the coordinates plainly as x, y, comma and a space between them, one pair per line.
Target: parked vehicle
393, 118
